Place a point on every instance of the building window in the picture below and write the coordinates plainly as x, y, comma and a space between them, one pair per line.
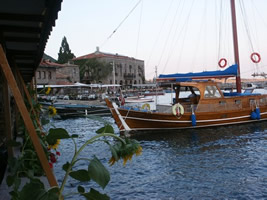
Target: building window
110, 81
130, 68
49, 75
39, 74
44, 75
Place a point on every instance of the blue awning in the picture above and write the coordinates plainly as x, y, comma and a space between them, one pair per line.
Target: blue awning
229, 72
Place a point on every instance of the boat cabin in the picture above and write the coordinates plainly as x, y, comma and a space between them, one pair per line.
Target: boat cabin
206, 96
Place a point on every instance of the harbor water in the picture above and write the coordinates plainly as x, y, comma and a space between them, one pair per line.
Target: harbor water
227, 162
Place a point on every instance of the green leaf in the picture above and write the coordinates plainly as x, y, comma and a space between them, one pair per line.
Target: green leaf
95, 195
80, 175
55, 134
74, 136
114, 152
98, 172
106, 129
51, 194
10, 180
66, 166
13, 143
32, 190
45, 121
80, 189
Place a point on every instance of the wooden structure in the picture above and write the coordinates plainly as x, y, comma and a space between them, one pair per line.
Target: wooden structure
24, 30
205, 106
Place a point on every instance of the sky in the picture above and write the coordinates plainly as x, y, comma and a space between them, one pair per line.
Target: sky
172, 36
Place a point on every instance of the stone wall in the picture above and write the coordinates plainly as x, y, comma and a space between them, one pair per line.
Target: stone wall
128, 71
46, 75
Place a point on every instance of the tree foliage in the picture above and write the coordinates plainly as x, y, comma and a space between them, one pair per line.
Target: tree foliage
94, 69
64, 54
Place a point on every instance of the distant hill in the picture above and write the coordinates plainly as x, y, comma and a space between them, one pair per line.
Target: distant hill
47, 57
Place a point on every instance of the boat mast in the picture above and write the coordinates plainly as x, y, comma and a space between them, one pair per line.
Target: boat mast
235, 41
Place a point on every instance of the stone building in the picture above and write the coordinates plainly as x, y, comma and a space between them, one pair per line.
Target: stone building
50, 73
126, 71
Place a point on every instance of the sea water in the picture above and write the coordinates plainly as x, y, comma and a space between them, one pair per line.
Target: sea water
215, 163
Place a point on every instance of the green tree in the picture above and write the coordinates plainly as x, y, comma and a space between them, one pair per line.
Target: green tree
64, 54
94, 69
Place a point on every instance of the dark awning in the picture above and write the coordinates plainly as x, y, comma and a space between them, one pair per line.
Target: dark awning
25, 26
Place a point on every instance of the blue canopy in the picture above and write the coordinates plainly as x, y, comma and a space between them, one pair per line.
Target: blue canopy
229, 72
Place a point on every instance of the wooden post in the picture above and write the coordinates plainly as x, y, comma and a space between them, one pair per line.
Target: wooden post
26, 117
28, 96
7, 116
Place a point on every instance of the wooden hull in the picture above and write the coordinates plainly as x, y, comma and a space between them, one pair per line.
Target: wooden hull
130, 120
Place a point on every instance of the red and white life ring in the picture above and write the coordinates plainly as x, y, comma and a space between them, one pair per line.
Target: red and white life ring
222, 63
255, 57
177, 110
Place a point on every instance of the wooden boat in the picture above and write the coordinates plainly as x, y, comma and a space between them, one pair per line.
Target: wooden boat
66, 110
206, 106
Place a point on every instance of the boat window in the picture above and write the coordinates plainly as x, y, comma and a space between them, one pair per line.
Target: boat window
222, 103
211, 91
252, 101
237, 102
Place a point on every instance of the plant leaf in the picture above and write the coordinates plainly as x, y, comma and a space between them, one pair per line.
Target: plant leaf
66, 166
55, 134
80, 189
80, 175
10, 180
51, 194
74, 135
95, 195
114, 152
13, 143
106, 129
32, 190
44, 121
98, 172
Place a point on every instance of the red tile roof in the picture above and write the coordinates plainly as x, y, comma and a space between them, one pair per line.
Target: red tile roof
99, 54
47, 63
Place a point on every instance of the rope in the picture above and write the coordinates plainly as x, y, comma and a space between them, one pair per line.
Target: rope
139, 27
121, 23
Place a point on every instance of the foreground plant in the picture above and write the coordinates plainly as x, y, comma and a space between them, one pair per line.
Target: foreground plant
120, 149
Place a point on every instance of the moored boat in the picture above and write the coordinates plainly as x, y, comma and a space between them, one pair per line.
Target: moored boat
205, 106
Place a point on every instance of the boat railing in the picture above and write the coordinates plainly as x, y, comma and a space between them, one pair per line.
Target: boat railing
188, 108
212, 107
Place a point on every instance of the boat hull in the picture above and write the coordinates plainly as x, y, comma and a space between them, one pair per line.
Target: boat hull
131, 120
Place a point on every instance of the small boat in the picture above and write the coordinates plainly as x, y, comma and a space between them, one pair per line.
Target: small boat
138, 100
65, 110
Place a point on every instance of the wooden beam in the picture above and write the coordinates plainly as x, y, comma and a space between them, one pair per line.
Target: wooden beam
28, 97
20, 29
26, 117
22, 17
7, 117
22, 52
22, 39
